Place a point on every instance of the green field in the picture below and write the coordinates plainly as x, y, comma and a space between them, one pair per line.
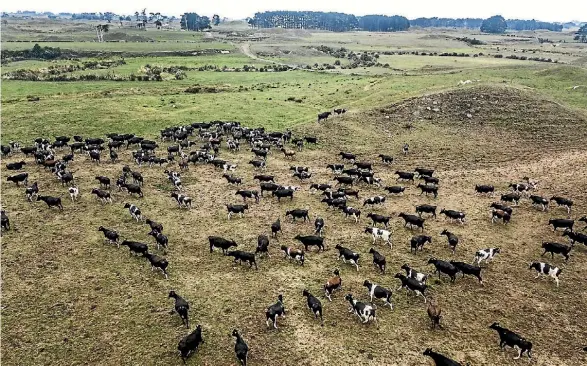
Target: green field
70, 299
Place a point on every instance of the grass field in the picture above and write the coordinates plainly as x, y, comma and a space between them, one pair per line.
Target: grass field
70, 299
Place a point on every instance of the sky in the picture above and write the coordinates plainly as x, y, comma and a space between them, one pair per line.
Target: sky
558, 11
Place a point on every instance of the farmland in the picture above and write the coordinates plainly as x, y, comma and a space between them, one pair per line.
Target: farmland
68, 298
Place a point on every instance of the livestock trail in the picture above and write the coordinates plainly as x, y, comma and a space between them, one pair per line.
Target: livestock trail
69, 295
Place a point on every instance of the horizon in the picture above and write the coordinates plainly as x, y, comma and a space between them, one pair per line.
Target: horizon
523, 9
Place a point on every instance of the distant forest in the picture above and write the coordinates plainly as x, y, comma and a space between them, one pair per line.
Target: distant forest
340, 22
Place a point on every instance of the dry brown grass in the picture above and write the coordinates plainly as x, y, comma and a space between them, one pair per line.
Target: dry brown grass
70, 299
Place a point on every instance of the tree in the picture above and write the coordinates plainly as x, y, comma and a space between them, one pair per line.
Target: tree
121, 19
108, 16
383, 23
194, 22
216, 19
581, 34
100, 30
495, 24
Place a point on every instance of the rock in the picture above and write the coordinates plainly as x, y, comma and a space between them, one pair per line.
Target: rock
436, 109
469, 115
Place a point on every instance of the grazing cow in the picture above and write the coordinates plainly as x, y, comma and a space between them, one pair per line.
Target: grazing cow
412, 273
157, 262
288, 153
539, 201
18, 178
379, 292
263, 245
336, 168
386, 158
161, 239
232, 179
484, 189
440, 360
429, 180
182, 200
453, 240
323, 116
468, 269
485, 255
154, 225
499, 206
344, 180
424, 172
134, 211
340, 111
181, 307
264, 178
376, 200
282, 193
350, 211
243, 256
454, 215
269, 187
311, 240
241, 349
51, 201
434, 313
311, 140
295, 254
562, 223
511, 197
379, 219
132, 188
223, 244
429, 209
275, 227
104, 181
73, 193
189, 344
417, 242
395, 189
299, 169
520, 187
552, 248
31, 191
274, 311
333, 284
335, 202
5, 221
318, 226
583, 219
425, 188
365, 312
563, 202
378, 260
258, 164
377, 233
236, 209
444, 267
314, 305
248, 194
411, 284
349, 192
511, 339
348, 255
347, 156
406, 176
135, 247
302, 175
320, 187
413, 220
405, 149
575, 237
547, 270
15, 166
110, 235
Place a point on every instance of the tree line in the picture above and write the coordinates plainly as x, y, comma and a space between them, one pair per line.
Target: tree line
337, 22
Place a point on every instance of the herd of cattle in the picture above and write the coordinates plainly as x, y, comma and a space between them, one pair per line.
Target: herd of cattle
348, 173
